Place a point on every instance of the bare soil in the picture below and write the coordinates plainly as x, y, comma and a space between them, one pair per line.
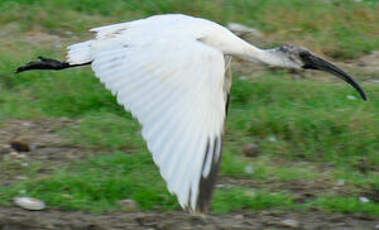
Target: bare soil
17, 219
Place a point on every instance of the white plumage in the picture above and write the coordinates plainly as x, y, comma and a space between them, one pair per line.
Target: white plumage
173, 73
173, 84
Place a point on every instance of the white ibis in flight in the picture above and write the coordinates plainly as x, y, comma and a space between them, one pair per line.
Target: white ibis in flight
172, 72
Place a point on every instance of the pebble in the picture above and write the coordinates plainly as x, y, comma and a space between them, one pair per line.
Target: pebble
67, 196
351, 97
249, 169
5, 148
13, 154
243, 78
250, 193
377, 226
340, 182
20, 156
20, 144
250, 150
26, 123
363, 199
29, 203
21, 177
128, 205
239, 217
272, 139
226, 186
290, 223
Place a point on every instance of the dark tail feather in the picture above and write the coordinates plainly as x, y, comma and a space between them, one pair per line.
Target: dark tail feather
47, 63
207, 184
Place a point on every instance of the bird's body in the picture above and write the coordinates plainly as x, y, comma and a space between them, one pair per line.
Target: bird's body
174, 83
172, 72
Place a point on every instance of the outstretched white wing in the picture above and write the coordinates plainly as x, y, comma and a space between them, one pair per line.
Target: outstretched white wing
174, 86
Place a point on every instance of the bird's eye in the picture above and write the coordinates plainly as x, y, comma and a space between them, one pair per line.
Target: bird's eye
304, 54
283, 48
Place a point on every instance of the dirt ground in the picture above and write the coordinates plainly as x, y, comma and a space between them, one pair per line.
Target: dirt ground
17, 219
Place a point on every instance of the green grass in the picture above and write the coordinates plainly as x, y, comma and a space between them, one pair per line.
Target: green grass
312, 122
345, 204
98, 184
309, 120
11, 168
105, 130
349, 28
299, 125
251, 199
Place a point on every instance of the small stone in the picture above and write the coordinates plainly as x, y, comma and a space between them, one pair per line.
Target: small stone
363, 199
250, 150
68, 33
226, 186
29, 203
20, 156
351, 97
21, 177
67, 196
33, 146
13, 154
272, 139
26, 123
239, 217
20, 144
5, 148
128, 205
249, 169
340, 182
290, 223
250, 193
243, 78
377, 226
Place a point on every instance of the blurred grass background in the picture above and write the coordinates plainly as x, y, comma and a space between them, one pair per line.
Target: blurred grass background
299, 125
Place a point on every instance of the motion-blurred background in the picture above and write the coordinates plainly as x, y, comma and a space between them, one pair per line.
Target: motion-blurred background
300, 147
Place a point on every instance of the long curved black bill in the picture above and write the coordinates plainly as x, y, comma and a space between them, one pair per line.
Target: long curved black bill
313, 62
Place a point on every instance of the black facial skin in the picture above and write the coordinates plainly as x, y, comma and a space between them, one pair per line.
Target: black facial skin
313, 62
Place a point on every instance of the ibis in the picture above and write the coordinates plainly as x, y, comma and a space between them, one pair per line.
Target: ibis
172, 72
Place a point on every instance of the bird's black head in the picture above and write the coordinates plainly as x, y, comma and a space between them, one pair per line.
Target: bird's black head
300, 57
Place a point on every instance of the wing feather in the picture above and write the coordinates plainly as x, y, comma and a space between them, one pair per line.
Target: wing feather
175, 88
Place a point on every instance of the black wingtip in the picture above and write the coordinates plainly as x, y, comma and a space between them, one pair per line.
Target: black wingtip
44, 64
47, 64
206, 186
19, 70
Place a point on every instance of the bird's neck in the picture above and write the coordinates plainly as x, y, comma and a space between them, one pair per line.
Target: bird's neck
235, 46
232, 45
264, 56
